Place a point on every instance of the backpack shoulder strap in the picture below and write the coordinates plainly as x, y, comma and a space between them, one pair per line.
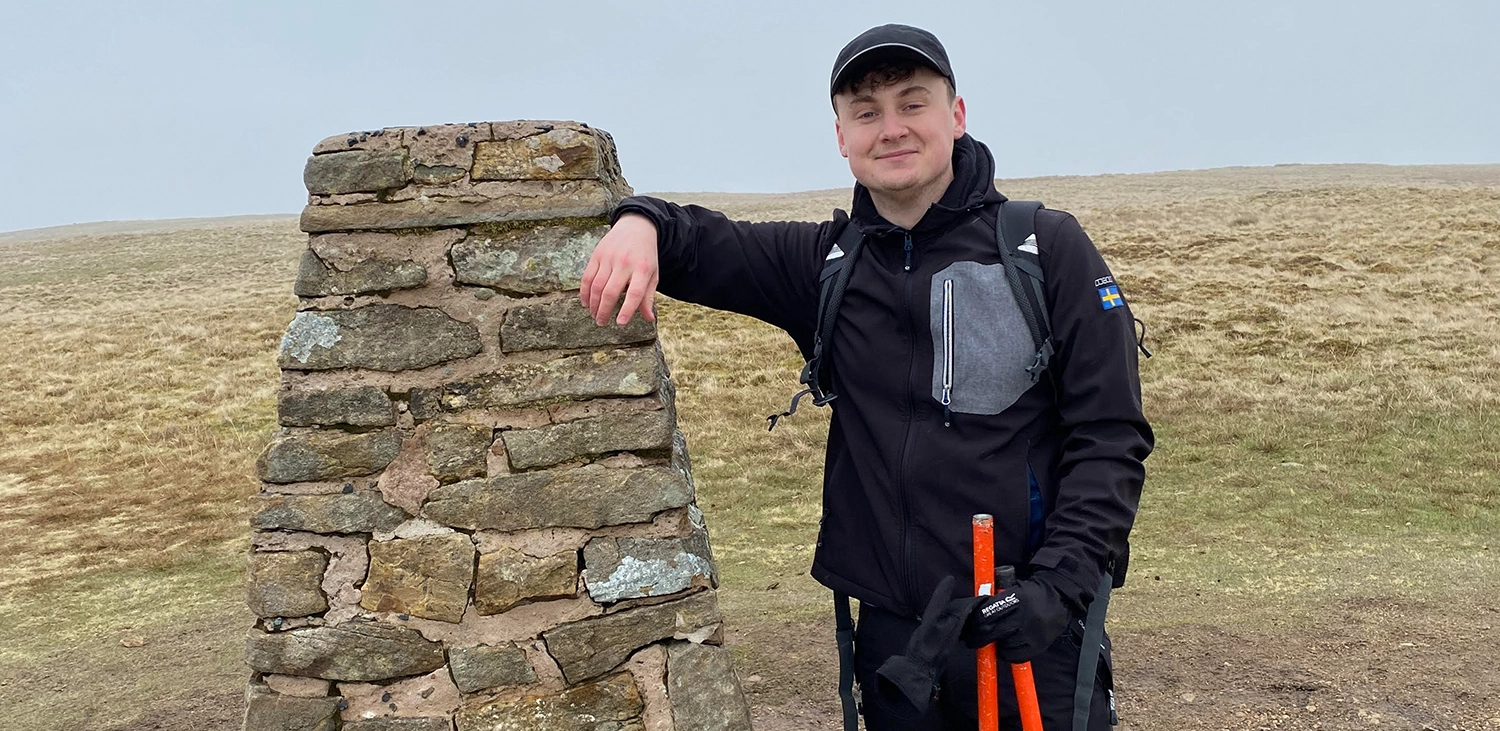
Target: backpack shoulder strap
1015, 232
832, 281
1089, 661
843, 620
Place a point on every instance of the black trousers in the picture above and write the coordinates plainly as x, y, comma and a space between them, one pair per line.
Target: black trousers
880, 634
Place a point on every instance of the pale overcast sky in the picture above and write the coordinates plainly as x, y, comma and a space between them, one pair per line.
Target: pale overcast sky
140, 110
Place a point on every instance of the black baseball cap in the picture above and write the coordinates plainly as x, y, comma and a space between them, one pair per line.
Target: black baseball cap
888, 43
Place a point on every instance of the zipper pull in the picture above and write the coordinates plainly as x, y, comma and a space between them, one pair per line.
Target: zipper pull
947, 352
908, 251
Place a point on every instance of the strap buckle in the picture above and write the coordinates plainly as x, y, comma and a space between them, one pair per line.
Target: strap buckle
1043, 359
807, 378
819, 399
813, 389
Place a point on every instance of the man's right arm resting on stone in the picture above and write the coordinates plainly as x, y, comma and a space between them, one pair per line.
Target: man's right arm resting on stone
768, 271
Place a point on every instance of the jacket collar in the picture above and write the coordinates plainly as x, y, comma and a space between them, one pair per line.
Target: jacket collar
973, 186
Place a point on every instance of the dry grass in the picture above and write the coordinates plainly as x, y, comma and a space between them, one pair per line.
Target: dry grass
142, 385
1325, 388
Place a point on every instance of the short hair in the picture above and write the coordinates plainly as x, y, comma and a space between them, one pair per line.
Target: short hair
886, 73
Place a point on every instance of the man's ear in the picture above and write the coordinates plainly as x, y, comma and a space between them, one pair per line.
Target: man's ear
960, 118
838, 131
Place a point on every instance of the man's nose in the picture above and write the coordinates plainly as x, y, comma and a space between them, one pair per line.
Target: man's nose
892, 127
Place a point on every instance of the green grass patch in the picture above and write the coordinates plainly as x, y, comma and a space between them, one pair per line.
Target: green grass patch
1295, 481
38, 621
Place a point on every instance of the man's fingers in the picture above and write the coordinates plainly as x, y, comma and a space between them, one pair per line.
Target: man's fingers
602, 275
648, 303
586, 283
611, 295
640, 289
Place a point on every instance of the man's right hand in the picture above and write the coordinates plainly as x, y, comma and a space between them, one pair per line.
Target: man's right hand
1022, 621
624, 261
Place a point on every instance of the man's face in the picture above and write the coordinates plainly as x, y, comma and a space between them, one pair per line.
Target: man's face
899, 137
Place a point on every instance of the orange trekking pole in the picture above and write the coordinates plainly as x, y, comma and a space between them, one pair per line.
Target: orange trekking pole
984, 577
989, 693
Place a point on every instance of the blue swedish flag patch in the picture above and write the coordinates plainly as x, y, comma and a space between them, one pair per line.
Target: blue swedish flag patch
1110, 297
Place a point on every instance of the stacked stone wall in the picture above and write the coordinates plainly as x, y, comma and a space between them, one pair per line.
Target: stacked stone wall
478, 513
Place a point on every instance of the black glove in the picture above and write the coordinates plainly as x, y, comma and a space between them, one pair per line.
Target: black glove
905, 682
1022, 621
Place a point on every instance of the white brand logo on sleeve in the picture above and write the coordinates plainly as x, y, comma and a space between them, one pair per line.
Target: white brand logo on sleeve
1029, 245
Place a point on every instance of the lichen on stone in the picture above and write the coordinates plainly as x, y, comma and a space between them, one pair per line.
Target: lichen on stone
650, 577
309, 330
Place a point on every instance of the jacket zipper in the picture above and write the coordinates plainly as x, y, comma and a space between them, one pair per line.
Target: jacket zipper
908, 573
947, 352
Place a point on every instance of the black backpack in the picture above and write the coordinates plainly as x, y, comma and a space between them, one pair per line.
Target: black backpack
1015, 234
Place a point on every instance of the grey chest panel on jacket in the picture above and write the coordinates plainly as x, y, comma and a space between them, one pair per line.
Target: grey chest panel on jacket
981, 346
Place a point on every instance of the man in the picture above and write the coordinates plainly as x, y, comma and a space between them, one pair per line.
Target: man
936, 417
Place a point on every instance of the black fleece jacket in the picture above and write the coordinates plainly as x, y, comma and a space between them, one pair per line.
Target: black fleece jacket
928, 317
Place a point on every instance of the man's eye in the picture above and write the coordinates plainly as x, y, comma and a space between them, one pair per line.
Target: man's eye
866, 115
913, 107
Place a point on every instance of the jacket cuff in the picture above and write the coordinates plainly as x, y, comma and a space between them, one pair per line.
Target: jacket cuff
1068, 579
637, 204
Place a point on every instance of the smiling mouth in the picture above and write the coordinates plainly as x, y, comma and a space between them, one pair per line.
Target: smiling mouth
895, 155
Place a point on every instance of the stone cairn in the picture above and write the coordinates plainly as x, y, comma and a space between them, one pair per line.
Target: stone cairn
478, 513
